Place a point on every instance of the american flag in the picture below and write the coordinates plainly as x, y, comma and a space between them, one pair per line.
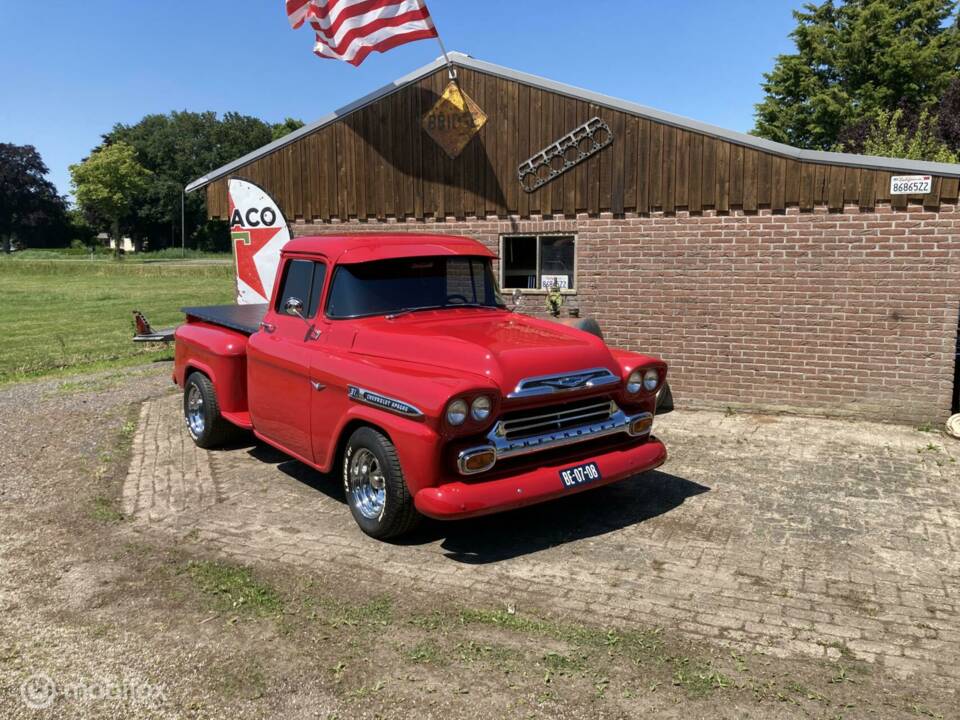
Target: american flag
349, 30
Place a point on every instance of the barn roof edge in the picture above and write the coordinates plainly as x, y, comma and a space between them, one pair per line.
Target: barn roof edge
869, 162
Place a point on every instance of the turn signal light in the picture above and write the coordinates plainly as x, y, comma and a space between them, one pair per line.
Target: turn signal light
642, 425
477, 460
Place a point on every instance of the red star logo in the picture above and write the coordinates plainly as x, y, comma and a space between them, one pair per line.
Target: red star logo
247, 244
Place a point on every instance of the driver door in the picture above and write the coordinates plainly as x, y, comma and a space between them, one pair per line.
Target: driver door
279, 358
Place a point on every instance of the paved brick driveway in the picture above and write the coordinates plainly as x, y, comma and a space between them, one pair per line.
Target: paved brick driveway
793, 536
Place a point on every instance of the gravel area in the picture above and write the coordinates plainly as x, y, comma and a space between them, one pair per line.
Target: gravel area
775, 567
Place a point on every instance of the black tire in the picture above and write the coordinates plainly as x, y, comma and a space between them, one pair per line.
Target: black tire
397, 514
209, 429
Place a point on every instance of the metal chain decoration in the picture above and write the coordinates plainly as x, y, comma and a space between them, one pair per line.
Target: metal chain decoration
567, 152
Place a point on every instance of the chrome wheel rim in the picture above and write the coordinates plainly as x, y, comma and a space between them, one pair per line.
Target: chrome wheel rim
366, 484
195, 420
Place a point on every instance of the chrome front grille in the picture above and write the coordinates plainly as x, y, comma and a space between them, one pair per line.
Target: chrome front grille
523, 432
547, 420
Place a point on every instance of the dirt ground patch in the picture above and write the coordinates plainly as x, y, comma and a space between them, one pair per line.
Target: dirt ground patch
775, 567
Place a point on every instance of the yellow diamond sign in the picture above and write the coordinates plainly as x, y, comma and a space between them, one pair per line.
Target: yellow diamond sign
454, 120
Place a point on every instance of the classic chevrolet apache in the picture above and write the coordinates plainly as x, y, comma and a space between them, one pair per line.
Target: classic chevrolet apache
393, 360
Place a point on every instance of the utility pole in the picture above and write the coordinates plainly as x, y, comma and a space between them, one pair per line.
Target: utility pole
183, 225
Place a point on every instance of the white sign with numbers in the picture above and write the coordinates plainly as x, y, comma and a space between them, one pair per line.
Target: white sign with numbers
910, 184
560, 281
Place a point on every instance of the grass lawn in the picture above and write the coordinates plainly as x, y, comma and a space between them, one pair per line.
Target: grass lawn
105, 255
59, 317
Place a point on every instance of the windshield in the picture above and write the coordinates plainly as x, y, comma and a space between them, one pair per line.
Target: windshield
387, 287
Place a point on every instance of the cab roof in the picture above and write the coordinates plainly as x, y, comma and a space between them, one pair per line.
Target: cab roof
368, 247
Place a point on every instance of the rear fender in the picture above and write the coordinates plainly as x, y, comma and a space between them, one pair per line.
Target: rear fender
219, 353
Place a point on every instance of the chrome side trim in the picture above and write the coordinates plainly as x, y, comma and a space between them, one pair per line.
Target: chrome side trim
368, 397
564, 382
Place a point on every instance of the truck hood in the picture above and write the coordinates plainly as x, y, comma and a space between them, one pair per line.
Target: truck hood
504, 347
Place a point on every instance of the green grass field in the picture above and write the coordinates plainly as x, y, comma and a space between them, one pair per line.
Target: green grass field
106, 255
59, 317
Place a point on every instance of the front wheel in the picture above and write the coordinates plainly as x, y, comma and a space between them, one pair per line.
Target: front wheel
374, 485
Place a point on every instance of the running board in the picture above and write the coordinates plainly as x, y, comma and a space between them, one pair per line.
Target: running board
240, 419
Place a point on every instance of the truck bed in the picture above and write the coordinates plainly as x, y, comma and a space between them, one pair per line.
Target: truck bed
242, 318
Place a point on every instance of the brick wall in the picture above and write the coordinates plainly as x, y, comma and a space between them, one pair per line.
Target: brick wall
843, 313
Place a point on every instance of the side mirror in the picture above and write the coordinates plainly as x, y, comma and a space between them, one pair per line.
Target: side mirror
294, 306
517, 297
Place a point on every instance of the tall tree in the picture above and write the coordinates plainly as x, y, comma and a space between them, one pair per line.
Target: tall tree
108, 184
181, 147
27, 198
855, 59
949, 121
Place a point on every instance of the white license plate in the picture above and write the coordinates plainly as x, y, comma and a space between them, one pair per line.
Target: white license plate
580, 474
910, 184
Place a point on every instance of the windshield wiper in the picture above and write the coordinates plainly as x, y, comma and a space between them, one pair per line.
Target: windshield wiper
404, 311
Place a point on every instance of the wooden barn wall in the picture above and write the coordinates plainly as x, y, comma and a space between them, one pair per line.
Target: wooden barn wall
378, 163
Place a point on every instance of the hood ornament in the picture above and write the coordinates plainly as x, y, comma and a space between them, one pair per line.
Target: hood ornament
567, 382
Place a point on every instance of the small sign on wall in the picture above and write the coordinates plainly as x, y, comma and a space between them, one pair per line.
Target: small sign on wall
910, 184
454, 120
560, 281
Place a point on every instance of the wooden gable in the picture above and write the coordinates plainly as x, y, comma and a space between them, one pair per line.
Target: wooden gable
377, 162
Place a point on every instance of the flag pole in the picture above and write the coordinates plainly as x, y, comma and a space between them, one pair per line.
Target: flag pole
451, 70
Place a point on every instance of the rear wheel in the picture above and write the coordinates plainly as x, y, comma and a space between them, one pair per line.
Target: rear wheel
374, 485
201, 411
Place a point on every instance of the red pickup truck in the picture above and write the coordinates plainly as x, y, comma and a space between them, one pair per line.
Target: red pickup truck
393, 360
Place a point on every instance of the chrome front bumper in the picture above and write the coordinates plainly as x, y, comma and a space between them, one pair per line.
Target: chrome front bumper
501, 448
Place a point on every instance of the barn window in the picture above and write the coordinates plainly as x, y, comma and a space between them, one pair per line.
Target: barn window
537, 262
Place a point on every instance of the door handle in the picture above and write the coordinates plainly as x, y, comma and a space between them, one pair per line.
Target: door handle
267, 327
317, 386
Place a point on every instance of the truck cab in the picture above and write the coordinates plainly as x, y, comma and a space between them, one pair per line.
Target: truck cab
393, 362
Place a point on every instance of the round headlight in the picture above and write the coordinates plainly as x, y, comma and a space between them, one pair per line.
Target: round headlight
480, 409
651, 378
457, 412
635, 382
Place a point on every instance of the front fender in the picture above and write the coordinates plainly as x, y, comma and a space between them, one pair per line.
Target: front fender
417, 444
630, 361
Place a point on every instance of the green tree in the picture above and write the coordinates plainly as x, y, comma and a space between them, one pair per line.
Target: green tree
108, 184
286, 127
889, 137
180, 147
28, 200
855, 59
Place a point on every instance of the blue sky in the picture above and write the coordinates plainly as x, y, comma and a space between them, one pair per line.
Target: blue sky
71, 70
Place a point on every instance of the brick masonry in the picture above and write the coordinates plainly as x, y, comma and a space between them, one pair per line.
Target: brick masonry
845, 313
845, 544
